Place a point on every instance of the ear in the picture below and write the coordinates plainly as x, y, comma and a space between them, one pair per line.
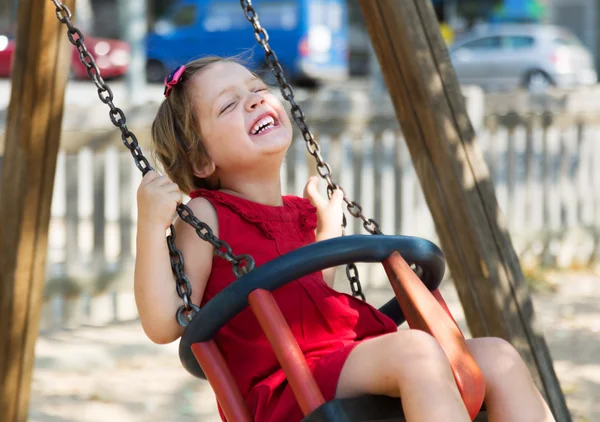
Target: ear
204, 170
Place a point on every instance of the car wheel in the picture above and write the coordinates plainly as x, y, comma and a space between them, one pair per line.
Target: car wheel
538, 81
155, 71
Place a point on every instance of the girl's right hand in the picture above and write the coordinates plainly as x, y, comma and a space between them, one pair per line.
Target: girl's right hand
157, 198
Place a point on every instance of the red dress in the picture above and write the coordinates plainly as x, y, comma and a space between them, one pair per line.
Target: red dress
327, 324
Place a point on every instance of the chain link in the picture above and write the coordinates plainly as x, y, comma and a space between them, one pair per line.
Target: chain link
242, 264
323, 168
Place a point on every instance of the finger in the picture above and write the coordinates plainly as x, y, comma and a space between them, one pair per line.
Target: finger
176, 196
311, 179
163, 181
168, 189
313, 194
160, 182
149, 177
338, 197
172, 187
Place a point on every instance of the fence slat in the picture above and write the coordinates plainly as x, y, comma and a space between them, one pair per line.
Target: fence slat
511, 179
378, 164
126, 196
357, 166
72, 214
529, 172
399, 158
99, 215
564, 180
579, 177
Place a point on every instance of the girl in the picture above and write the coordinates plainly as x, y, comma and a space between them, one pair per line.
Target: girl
221, 136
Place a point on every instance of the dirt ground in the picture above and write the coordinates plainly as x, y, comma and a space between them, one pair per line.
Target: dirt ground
114, 373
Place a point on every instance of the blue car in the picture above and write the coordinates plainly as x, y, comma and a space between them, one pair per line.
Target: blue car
310, 37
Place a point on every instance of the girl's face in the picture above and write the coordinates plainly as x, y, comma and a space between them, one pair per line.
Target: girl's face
243, 125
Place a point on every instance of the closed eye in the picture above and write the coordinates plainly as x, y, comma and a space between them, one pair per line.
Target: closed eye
228, 107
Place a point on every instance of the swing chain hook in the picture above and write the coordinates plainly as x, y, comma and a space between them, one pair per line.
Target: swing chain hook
323, 168
242, 264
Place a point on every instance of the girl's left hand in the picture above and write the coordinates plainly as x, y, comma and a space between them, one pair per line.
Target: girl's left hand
329, 211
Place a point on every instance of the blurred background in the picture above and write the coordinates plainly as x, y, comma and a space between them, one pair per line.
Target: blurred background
539, 43
528, 71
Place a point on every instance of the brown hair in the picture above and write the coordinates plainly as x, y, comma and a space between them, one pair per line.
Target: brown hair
176, 137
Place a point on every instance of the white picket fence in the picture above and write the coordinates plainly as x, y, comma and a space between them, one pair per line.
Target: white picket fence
546, 170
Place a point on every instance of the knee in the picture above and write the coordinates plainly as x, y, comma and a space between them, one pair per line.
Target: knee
497, 358
418, 351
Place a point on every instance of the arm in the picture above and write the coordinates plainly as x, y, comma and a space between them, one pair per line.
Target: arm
329, 273
329, 218
154, 283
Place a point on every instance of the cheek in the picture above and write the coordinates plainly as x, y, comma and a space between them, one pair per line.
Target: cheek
286, 119
277, 105
211, 140
226, 128
286, 122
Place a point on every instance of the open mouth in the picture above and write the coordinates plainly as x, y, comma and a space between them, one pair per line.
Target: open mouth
264, 124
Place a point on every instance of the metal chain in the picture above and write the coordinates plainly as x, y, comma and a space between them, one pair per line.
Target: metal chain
242, 264
323, 168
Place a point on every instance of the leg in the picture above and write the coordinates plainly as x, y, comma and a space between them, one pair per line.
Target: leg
511, 395
408, 364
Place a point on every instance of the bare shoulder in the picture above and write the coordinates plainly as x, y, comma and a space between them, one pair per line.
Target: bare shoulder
205, 212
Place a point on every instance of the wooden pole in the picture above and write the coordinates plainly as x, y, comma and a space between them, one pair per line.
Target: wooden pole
39, 75
456, 183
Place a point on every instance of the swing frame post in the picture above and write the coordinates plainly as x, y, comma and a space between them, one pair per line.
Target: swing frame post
32, 139
456, 183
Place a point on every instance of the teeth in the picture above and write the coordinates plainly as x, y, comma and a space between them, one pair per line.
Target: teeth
262, 124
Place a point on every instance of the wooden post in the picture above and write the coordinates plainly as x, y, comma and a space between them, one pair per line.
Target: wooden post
455, 179
32, 139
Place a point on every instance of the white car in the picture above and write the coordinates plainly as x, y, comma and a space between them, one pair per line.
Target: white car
535, 57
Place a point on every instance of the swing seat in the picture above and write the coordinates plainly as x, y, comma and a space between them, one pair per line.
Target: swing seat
367, 408
200, 356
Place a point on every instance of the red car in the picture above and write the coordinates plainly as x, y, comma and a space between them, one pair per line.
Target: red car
112, 57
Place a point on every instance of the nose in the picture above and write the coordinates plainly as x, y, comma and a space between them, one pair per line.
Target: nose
255, 99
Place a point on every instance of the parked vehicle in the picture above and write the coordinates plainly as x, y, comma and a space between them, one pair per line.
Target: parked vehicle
7, 49
310, 37
112, 57
531, 56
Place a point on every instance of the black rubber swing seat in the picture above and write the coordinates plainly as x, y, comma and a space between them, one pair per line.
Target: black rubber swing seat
367, 408
301, 262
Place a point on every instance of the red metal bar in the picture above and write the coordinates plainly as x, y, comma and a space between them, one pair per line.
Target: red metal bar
286, 349
423, 312
438, 296
218, 375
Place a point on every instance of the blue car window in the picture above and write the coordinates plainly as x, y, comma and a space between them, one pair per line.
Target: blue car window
518, 42
567, 41
482, 44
